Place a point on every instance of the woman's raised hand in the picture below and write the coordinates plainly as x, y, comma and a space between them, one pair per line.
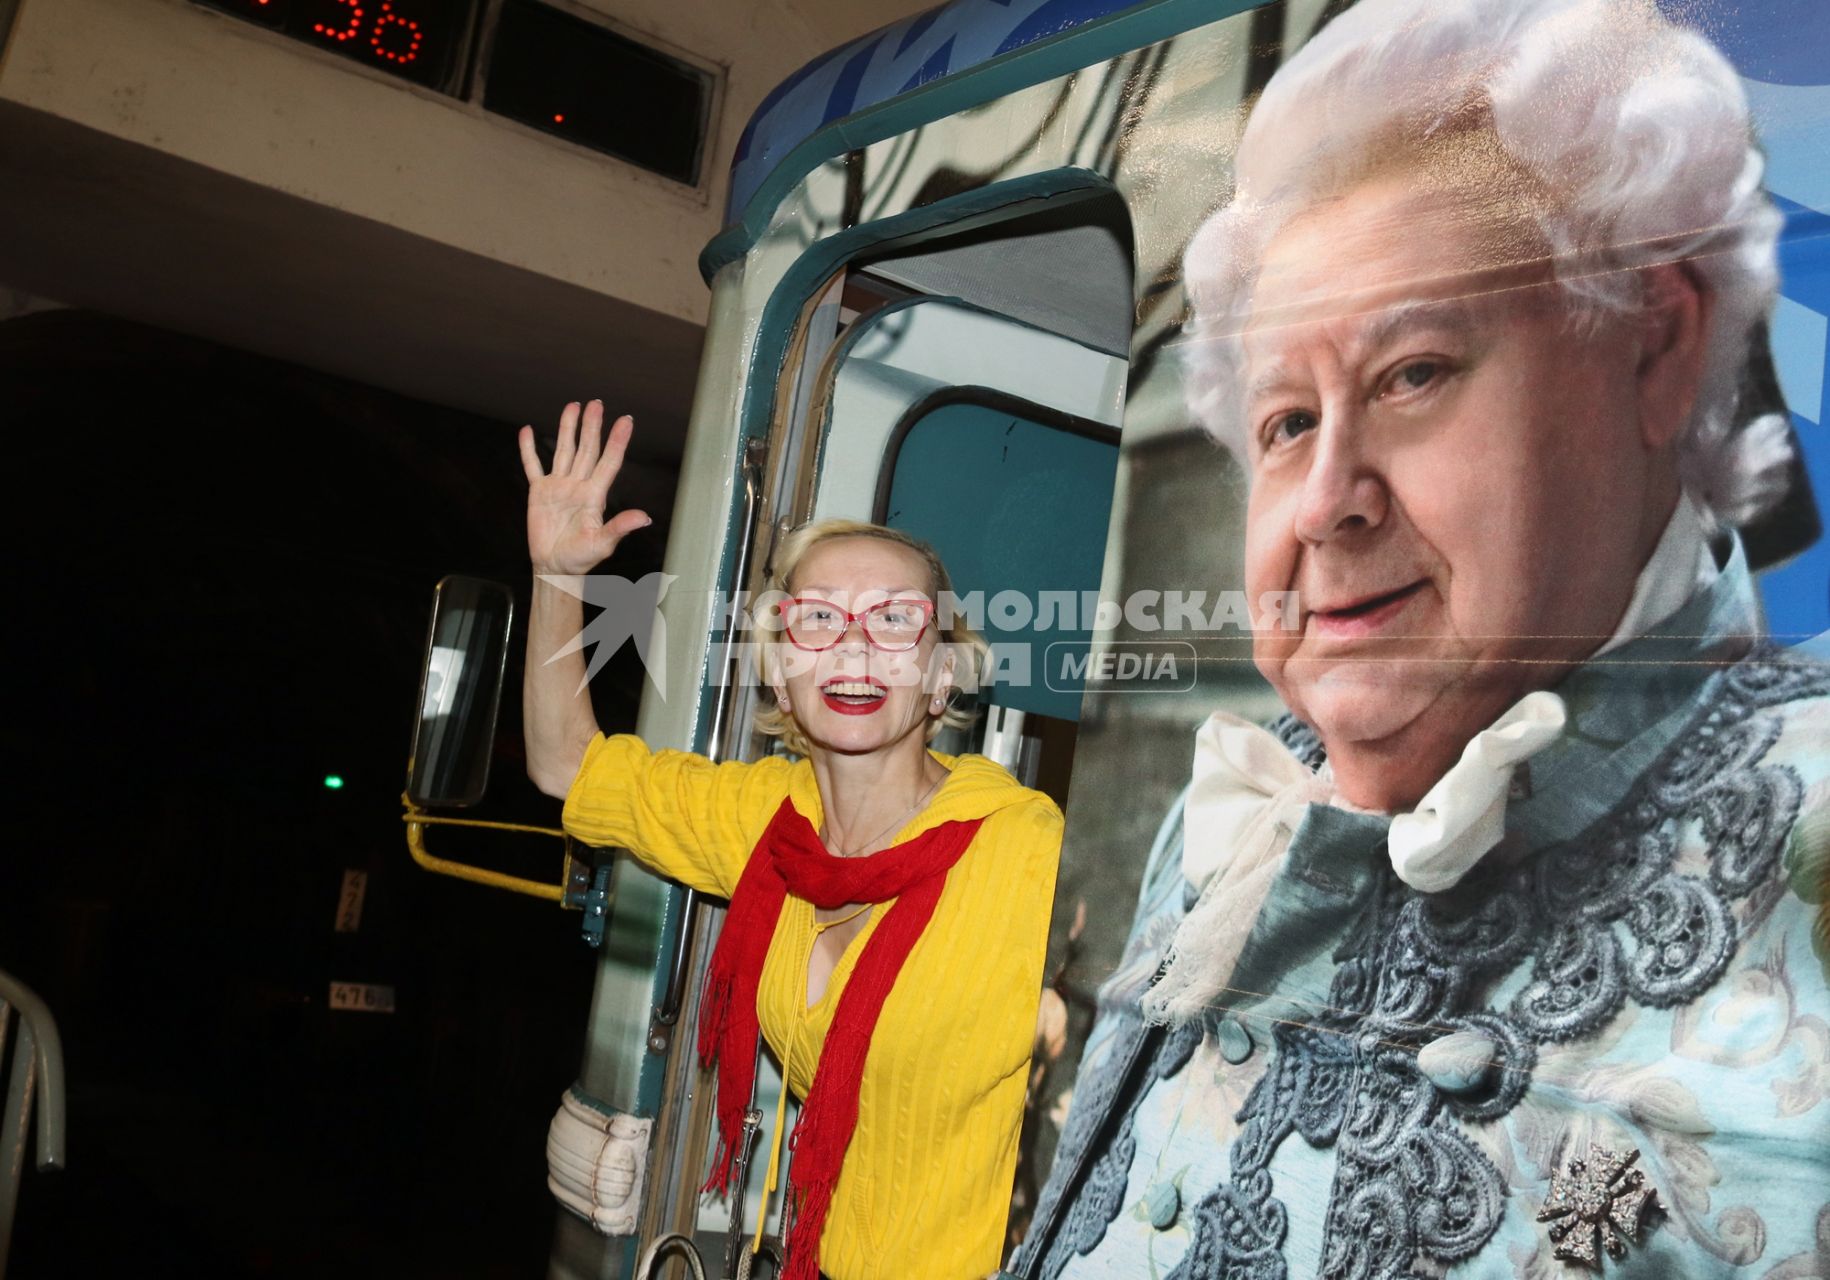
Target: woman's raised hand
566, 530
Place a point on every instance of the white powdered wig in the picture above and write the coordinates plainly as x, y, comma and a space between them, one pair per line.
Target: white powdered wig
1630, 134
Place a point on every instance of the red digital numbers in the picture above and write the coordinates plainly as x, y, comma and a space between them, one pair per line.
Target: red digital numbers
395, 38
346, 32
415, 40
390, 36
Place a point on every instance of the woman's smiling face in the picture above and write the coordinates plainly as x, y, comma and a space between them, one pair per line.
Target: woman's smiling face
1450, 474
854, 697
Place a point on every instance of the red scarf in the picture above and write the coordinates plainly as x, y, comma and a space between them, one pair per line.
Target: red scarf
790, 858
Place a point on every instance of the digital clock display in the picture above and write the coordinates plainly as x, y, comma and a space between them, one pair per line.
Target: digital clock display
542, 66
417, 40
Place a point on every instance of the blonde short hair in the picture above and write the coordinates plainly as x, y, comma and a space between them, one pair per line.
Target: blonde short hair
967, 648
1634, 129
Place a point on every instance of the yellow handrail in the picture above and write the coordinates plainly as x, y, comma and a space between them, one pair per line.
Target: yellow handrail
418, 820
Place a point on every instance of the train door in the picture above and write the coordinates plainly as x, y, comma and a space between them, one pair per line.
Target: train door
949, 387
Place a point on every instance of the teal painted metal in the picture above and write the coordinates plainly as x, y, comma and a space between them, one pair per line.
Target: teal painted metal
589, 891
1084, 46
991, 461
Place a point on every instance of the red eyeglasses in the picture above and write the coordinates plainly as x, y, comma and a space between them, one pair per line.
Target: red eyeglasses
890, 625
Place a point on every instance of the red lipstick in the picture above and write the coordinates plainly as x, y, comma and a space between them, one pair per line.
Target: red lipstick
857, 696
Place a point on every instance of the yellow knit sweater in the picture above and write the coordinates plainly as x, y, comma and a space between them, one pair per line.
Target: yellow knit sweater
926, 1182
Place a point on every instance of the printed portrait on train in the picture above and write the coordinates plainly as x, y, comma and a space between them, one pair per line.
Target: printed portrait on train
1475, 484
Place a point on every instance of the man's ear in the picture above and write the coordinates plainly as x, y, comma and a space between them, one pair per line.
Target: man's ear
1674, 332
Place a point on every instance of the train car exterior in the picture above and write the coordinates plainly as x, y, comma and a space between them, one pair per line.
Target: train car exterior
950, 298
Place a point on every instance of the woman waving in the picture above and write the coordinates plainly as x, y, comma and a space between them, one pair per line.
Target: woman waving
889, 904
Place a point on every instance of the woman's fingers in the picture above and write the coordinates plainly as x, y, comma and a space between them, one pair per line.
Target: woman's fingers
620, 526
590, 441
614, 448
568, 440
530, 456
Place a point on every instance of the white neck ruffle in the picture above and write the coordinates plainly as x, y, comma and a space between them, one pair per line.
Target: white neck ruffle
1249, 792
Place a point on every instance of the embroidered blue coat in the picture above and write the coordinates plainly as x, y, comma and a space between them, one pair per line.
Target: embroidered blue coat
1635, 967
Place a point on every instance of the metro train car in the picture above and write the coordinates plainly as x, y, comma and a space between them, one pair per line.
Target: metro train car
950, 299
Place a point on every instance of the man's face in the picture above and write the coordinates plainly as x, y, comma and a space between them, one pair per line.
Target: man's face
1444, 468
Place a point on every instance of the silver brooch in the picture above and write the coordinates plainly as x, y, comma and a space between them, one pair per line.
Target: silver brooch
1597, 1202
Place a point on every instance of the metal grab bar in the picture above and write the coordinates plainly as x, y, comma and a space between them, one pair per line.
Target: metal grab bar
668, 1011
674, 994
747, 1260
736, 1257
418, 820
695, 1261
672, 1243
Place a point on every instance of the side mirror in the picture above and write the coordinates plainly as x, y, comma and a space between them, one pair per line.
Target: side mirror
459, 691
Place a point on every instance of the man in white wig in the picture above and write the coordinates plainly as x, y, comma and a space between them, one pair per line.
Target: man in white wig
1496, 955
